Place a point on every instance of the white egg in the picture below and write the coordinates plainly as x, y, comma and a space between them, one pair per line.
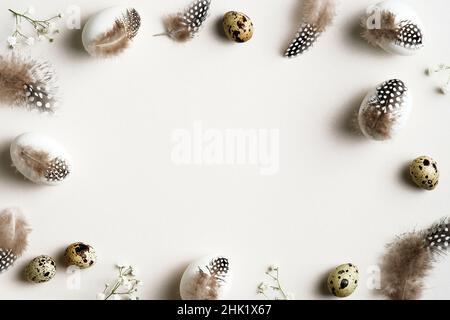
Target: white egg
385, 110
110, 32
395, 27
207, 279
41, 159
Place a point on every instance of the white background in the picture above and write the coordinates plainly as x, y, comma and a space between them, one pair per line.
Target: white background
337, 197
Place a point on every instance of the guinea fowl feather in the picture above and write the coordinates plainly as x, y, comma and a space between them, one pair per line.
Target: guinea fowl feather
27, 83
14, 231
119, 37
317, 16
410, 259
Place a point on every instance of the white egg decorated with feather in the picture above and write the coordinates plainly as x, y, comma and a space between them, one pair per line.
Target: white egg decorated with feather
385, 110
394, 26
41, 159
206, 279
111, 31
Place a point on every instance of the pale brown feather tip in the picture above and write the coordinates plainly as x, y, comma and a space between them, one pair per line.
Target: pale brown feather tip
14, 231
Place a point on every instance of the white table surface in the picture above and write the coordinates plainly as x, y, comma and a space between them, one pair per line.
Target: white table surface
336, 198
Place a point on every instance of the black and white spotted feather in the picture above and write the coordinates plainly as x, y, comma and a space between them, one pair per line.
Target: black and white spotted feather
28, 83
411, 258
409, 35
317, 16
185, 25
218, 268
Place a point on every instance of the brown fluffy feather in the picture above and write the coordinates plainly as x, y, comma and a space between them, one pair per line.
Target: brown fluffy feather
388, 30
119, 37
177, 29
27, 83
319, 13
405, 265
14, 231
204, 287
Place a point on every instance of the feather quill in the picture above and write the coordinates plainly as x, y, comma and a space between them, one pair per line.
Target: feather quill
14, 231
410, 258
119, 37
27, 83
317, 16
185, 25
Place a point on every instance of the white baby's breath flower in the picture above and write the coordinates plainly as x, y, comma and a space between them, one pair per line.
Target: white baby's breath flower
116, 297
12, 41
29, 41
101, 296
273, 268
445, 89
263, 286
122, 264
290, 296
30, 10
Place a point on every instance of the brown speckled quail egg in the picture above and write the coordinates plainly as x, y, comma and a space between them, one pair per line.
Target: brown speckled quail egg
343, 280
40, 269
80, 254
237, 26
424, 172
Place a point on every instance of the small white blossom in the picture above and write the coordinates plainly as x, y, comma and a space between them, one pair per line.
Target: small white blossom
290, 296
445, 89
31, 10
101, 296
273, 268
29, 41
12, 41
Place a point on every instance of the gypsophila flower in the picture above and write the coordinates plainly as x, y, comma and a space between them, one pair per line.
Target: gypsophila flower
273, 290
29, 41
125, 286
444, 88
101, 296
43, 29
12, 41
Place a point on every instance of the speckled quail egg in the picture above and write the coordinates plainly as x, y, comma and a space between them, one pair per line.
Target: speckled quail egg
80, 254
237, 26
41, 269
424, 172
343, 280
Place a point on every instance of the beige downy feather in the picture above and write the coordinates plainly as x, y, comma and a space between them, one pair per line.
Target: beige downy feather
14, 231
27, 83
388, 29
183, 26
318, 15
410, 259
119, 37
204, 287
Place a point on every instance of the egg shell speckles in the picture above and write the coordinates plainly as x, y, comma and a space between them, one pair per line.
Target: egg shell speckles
343, 280
238, 26
424, 172
40, 269
81, 255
